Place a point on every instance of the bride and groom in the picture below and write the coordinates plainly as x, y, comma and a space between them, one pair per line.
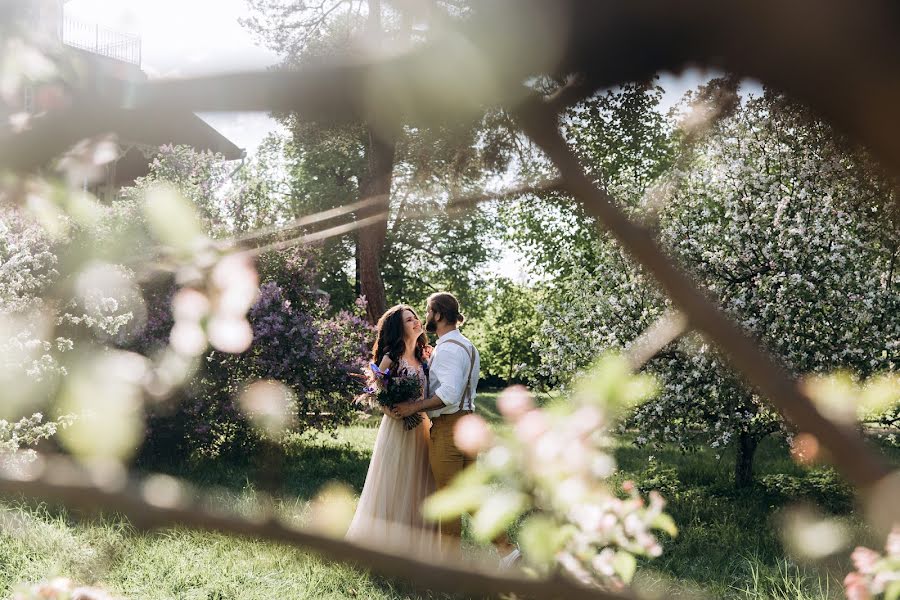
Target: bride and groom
409, 465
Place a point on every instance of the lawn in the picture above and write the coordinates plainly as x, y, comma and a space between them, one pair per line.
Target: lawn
727, 546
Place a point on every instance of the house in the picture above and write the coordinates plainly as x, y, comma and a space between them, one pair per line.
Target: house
108, 64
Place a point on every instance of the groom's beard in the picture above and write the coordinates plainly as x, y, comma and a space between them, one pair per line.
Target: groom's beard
431, 326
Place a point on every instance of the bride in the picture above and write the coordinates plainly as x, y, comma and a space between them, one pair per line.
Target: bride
399, 477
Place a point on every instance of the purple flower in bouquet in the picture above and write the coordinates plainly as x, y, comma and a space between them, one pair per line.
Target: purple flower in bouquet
384, 389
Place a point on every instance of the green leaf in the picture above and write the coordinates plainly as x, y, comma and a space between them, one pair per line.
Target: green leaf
611, 384
472, 475
454, 501
84, 208
498, 511
880, 393
625, 564
892, 591
665, 523
172, 218
541, 538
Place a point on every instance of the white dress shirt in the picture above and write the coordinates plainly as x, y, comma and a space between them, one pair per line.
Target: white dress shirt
447, 373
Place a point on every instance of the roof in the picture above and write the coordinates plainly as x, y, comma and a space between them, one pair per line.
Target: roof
103, 77
104, 88
144, 126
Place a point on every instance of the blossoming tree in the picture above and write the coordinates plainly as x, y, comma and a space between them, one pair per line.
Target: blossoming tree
784, 223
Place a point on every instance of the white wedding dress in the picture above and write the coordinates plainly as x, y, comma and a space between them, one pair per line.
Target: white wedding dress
398, 481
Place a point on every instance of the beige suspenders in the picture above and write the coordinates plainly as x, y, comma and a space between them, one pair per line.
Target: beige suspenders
466, 391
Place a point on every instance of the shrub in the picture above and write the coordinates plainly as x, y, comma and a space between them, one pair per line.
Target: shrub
822, 485
295, 341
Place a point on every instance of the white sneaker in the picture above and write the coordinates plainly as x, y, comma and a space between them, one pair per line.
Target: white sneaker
510, 559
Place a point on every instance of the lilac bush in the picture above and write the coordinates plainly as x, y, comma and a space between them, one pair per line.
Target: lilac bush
295, 341
293, 334
198, 176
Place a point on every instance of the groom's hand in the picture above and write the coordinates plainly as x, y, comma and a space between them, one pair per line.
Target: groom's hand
404, 409
387, 411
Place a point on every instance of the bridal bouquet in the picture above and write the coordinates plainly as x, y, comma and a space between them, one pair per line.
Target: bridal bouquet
388, 388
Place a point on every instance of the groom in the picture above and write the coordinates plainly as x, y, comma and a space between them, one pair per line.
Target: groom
452, 379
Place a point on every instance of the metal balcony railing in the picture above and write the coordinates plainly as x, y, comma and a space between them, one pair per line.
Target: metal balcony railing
101, 40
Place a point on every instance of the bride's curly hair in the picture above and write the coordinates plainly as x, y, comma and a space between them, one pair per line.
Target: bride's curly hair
389, 338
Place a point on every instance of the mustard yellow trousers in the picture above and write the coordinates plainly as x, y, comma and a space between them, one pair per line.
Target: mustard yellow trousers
446, 461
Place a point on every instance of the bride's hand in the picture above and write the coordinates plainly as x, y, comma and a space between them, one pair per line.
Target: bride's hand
387, 411
404, 409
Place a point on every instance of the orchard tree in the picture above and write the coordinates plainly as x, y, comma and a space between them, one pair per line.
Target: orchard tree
625, 143
788, 226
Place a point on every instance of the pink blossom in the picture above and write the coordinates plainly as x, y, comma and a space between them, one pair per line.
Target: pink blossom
864, 559
607, 523
232, 335
187, 338
657, 502
88, 593
514, 402
472, 434
587, 419
531, 426
882, 579
238, 282
603, 562
189, 304
892, 547
855, 587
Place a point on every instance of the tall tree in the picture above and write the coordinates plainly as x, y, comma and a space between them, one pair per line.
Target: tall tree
407, 173
381, 150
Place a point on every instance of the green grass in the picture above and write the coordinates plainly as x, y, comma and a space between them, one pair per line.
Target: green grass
728, 544
727, 547
171, 564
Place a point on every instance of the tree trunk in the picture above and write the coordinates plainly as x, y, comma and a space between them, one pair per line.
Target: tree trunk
743, 466
376, 184
370, 247
357, 287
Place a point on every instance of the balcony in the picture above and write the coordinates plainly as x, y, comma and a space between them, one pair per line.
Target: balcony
100, 40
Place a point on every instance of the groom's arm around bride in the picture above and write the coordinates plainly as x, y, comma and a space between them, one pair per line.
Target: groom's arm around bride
453, 379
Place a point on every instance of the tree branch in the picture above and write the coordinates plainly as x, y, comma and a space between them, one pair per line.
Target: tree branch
63, 483
301, 225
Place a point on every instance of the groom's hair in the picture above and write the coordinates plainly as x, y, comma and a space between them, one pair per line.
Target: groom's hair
447, 305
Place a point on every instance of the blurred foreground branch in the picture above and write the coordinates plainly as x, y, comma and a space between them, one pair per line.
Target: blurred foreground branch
841, 58
162, 502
